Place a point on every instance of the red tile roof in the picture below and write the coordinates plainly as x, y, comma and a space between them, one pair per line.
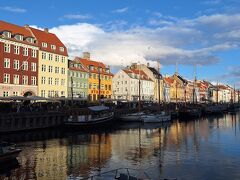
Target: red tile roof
50, 39
143, 76
95, 64
169, 80
15, 29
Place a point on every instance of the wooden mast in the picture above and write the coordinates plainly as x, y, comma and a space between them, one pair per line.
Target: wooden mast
159, 100
139, 89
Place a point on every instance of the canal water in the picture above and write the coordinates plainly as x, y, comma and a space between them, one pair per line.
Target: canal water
206, 148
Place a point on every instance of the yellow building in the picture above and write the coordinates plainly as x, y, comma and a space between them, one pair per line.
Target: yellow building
100, 78
52, 64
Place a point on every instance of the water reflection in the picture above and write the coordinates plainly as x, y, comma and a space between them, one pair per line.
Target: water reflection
206, 148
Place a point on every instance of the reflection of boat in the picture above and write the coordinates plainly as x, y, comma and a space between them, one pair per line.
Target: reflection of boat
97, 115
122, 174
215, 109
156, 118
6, 168
8, 152
190, 113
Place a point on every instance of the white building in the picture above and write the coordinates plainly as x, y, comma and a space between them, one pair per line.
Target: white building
126, 85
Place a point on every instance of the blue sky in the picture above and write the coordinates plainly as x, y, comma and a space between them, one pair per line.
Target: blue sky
118, 32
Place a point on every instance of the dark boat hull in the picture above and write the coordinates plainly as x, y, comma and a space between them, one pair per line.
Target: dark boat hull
9, 155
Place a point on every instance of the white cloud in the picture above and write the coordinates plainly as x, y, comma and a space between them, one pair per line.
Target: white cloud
77, 16
189, 41
122, 10
13, 9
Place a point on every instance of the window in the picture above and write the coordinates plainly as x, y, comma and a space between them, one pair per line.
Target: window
16, 49
25, 80
50, 80
15, 93
6, 63
57, 81
33, 80
19, 37
6, 78
43, 93
5, 94
25, 65
44, 55
57, 58
50, 57
34, 53
61, 49
62, 82
15, 79
43, 80
53, 47
43, 68
50, 69
63, 59
62, 93
33, 67
109, 87
63, 70
44, 45
16, 64
25, 51
7, 48
57, 70
30, 40
7, 34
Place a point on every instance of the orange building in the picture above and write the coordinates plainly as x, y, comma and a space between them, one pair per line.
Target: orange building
100, 78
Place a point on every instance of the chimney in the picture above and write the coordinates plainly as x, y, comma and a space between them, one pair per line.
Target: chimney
147, 64
86, 55
46, 30
26, 26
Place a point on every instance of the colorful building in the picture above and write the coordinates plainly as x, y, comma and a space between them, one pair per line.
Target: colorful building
19, 61
77, 79
52, 64
126, 85
100, 78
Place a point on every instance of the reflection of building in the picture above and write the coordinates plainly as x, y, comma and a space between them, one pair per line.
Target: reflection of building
86, 152
99, 74
53, 64
51, 161
19, 61
77, 79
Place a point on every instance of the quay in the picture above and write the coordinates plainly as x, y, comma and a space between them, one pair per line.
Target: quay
23, 121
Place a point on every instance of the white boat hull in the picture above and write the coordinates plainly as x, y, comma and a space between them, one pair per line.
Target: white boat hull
152, 118
134, 117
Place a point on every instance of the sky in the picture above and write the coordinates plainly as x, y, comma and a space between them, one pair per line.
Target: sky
201, 33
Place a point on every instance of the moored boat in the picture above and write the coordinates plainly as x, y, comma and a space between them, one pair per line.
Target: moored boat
132, 117
97, 115
156, 118
190, 113
8, 152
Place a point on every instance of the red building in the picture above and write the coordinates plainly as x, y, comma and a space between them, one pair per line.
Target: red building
19, 61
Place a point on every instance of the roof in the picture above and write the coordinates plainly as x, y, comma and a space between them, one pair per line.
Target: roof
50, 39
96, 64
154, 71
168, 80
143, 76
77, 61
15, 29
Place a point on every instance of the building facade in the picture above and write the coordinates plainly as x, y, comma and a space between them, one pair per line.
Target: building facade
19, 61
77, 79
52, 64
100, 78
126, 85
155, 76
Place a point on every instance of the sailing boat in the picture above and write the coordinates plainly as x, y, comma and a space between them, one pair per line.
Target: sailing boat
158, 117
191, 111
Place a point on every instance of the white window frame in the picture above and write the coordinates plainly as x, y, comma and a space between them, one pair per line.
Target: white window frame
6, 78
15, 79
7, 48
7, 63
16, 49
15, 64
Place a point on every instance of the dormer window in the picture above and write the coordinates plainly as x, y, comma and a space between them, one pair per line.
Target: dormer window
53, 47
19, 37
61, 49
44, 45
91, 67
7, 34
30, 40
107, 70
